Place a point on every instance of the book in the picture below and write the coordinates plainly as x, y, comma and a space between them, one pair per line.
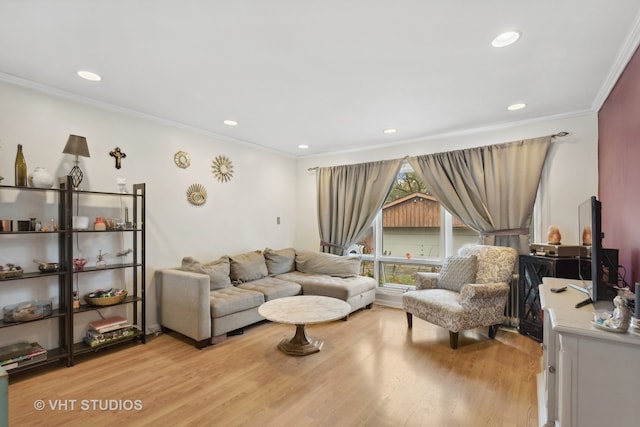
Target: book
93, 340
19, 352
25, 362
108, 322
112, 328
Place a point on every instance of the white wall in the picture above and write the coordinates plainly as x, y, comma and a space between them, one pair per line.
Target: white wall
238, 216
569, 178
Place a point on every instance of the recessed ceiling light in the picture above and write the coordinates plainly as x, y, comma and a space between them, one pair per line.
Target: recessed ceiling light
506, 38
88, 75
303, 146
389, 131
230, 123
514, 107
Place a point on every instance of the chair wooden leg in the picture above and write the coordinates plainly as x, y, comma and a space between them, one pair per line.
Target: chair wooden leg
453, 340
492, 331
409, 320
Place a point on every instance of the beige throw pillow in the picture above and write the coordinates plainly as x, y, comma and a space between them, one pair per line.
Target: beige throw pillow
247, 267
457, 271
218, 271
280, 261
330, 264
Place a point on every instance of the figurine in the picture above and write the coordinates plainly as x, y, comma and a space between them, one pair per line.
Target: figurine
553, 235
621, 315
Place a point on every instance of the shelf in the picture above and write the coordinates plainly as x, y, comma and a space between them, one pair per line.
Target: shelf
33, 275
65, 320
54, 314
54, 355
87, 307
82, 348
108, 267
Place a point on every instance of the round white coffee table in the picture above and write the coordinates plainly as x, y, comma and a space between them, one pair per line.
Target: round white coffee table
303, 310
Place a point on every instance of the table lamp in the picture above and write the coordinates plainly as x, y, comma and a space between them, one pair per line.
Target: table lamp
76, 145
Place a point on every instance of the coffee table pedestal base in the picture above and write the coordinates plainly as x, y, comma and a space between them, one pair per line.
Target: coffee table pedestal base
300, 344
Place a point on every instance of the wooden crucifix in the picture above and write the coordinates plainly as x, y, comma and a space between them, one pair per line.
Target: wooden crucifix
118, 155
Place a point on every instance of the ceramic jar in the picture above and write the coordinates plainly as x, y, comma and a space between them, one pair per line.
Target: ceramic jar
40, 178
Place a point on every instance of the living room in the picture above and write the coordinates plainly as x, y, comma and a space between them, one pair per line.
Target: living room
270, 199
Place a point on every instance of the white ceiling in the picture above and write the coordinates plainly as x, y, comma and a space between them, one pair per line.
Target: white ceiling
331, 74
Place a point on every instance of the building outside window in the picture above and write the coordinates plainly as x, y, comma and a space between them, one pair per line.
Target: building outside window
411, 233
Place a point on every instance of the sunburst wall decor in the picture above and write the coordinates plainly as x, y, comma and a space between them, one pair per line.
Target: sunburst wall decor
222, 168
182, 159
197, 194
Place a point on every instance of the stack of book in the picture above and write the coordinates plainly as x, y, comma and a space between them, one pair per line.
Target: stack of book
109, 330
21, 354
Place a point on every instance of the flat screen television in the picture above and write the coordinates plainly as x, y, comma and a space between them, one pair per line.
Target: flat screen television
602, 267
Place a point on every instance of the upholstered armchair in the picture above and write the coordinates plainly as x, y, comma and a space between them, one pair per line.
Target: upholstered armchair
470, 291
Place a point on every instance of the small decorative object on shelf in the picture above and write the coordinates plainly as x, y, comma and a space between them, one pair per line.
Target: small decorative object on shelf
99, 225
47, 267
222, 168
586, 236
122, 185
101, 263
107, 297
78, 264
553, 235
21, 168
10, 270
40, 178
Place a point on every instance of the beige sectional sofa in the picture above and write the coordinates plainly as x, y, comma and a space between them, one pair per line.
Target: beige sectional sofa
204, 301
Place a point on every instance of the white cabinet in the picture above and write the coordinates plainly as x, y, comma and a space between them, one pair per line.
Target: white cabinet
589, 377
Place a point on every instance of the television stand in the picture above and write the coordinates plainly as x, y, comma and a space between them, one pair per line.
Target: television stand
589, 376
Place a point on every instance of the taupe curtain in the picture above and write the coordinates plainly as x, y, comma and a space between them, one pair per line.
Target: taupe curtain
491, 189
349, 197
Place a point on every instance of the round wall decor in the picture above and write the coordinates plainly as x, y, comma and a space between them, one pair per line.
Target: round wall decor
197, 194
222, 168
182, 159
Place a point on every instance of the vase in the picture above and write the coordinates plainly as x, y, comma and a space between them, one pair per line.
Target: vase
40, 178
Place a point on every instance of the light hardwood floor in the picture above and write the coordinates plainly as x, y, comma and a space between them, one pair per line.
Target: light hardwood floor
372, 371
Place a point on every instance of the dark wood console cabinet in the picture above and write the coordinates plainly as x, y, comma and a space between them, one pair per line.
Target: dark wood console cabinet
532, 269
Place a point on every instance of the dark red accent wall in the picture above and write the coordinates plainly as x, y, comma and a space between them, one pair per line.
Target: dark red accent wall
619, 168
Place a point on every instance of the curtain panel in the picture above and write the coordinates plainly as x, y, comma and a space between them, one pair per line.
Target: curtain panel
491, 189
349, 197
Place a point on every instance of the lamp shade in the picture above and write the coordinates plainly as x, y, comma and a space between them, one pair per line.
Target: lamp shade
77, 145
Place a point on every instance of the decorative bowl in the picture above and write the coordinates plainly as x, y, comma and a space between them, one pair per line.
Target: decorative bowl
104, 298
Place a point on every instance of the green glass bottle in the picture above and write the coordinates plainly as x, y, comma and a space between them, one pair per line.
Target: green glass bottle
21, 168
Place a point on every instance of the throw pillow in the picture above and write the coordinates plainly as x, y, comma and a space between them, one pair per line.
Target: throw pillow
457, 271
280, 261
324, 263
218, 271
247, 267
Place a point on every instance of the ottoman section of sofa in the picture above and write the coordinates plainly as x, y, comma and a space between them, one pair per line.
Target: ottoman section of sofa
343, 288
272, 287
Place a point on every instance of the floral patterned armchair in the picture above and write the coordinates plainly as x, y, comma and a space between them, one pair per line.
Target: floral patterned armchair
470, 291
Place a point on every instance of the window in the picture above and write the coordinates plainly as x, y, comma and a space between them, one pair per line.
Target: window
411, 233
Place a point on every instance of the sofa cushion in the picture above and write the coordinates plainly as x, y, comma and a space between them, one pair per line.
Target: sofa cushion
280, 261
330, 264
232, 300
272, 288
330, 286
457, 271
247, 267
218, 271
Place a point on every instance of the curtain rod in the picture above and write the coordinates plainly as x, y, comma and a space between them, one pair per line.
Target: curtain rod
556, 135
